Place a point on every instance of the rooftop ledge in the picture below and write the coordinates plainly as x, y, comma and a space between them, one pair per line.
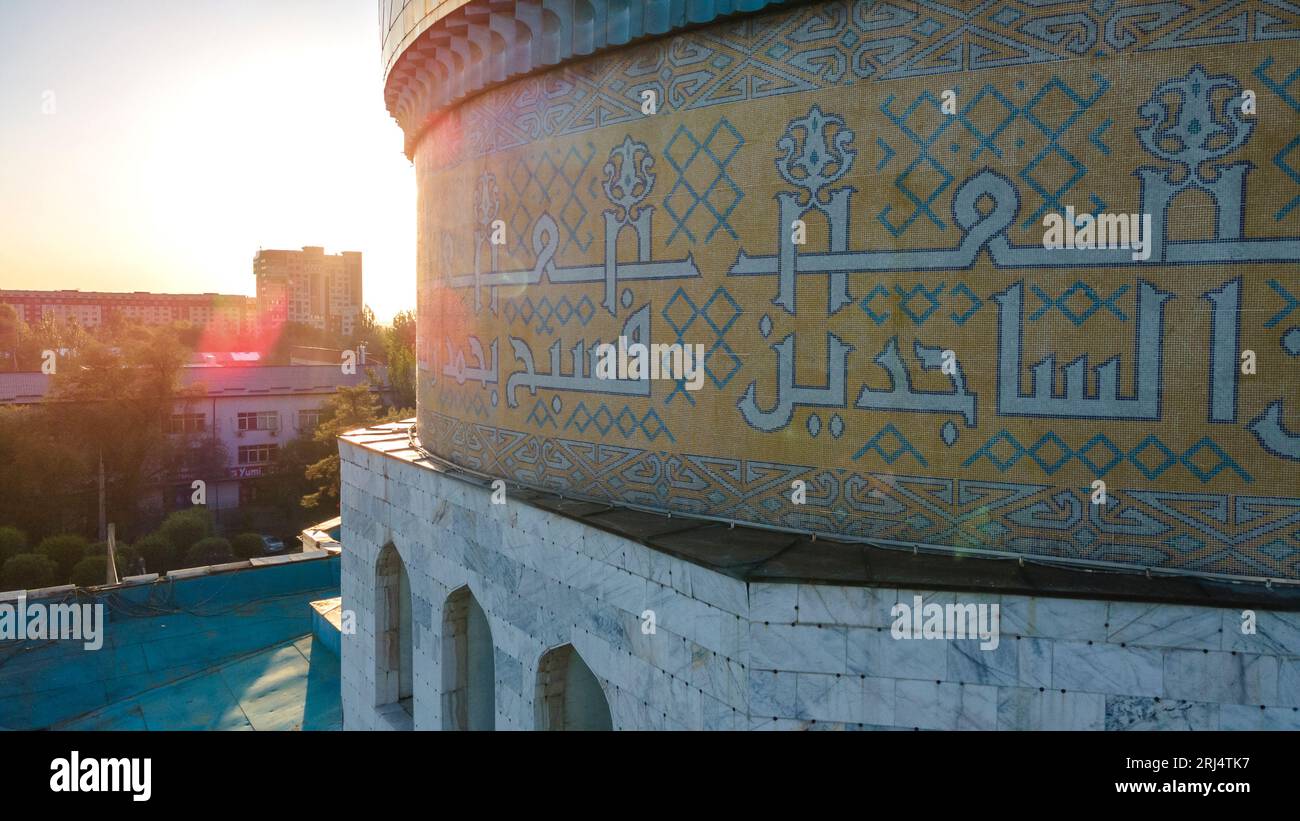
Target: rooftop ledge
438, 52
754, 554
64, 590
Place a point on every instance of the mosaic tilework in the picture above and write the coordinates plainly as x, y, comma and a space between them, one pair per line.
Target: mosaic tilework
920, 361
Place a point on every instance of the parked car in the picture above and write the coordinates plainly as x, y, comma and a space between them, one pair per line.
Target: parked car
272, 544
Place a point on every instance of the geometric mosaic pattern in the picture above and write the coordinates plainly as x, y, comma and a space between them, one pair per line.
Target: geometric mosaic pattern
708, 321
1150, 457
1208, 532
702, 188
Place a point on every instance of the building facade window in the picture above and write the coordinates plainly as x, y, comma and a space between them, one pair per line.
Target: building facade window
187, 423
308, 420
257, 454
258, 420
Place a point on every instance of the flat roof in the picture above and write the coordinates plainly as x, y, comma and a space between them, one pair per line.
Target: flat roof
753, 554
228, 650
244, 380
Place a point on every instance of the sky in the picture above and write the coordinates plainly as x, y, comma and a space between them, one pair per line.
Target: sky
155, 146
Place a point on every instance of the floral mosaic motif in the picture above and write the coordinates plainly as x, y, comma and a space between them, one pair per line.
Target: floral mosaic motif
818, 153
1188, 131
487, 200
628, 178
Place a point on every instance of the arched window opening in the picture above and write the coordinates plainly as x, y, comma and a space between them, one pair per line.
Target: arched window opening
569, 696
468, 665
394, 647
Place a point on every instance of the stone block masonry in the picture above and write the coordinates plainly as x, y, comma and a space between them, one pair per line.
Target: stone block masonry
730, 654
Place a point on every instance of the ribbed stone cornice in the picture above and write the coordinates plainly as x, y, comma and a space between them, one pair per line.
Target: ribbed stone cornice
486, 42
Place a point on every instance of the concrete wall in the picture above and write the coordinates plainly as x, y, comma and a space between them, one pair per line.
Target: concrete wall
731, 655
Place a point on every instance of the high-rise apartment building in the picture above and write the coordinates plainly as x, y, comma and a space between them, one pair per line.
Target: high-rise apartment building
309, 287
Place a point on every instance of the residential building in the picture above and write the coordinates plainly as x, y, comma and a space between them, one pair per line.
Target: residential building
222, 313
250, 411
310, 287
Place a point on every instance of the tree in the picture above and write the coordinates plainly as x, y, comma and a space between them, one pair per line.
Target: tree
284, 482
12, 542
65, 550
399, 352
297, 333
158, 553
106, 400
349, 408
43, 484
110, 404
366, 330
49, 334
90, 571
184, 528
28, 571
212, 550
247, 545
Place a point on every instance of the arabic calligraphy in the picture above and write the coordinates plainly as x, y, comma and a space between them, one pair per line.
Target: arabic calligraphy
628, 183
1075, 400
584, 375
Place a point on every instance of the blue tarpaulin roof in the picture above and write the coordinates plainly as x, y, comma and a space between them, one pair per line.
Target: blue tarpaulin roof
232, 650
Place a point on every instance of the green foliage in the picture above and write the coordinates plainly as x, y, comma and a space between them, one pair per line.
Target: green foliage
28, 571
116, 384
283, 483
128, 560
185, 527
90, 571
65, 550
347, 409
12, 542
212, 550
399, 351
127, 557
45, 487
367, 331
31, 341
107, 403
247, 545
158, 553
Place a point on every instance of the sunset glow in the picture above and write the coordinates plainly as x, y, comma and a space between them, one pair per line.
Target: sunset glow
156, 147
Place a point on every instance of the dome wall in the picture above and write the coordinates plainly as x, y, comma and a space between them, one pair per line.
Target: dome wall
844, 207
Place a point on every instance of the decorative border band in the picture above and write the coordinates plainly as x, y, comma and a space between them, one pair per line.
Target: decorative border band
483, 44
